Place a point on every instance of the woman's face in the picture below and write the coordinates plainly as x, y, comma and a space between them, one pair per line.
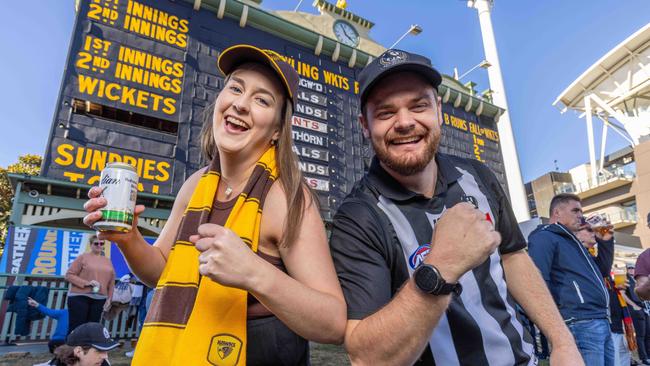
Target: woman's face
92, 357
586, 236
247, 111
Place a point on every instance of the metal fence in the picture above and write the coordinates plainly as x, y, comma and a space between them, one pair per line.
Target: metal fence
41, 329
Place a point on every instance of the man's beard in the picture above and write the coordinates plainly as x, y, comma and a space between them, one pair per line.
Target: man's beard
407, 165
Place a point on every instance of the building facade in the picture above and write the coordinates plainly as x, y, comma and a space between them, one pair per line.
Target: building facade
619, 192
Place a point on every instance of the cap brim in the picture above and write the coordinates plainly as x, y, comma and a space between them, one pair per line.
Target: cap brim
234, 56
105, 346
429, 73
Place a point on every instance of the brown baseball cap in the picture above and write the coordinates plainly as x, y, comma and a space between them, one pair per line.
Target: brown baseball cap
234, 56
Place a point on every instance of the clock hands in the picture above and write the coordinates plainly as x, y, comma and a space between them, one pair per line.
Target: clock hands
346, 34
351, 37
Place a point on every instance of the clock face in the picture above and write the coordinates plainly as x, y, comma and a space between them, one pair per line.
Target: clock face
346, 33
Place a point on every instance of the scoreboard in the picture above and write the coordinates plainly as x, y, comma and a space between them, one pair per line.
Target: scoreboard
467, 135
140, 78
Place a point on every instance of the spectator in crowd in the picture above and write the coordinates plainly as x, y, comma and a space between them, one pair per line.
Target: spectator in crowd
642, 271
61, 316
86, 345
639, 310
575, 277
422, 225
619, 315
92, 279
617, 305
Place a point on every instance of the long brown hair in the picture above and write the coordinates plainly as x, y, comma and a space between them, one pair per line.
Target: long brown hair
64, 354
295, 188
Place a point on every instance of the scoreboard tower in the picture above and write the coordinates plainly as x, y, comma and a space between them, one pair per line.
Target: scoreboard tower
141, 76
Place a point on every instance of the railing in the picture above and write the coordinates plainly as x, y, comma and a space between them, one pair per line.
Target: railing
42, 329
566, 188
609, 176
621, 216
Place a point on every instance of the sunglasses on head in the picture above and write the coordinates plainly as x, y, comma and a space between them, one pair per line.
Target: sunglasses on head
590, 230
99, 243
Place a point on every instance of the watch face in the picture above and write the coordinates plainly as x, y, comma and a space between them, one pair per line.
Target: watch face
426, 278
346, 33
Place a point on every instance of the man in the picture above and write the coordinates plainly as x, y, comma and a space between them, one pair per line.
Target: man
418, 264
642, 271
575, 277
58, 336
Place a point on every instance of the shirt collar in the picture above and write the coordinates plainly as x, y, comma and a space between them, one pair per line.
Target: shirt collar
392, 189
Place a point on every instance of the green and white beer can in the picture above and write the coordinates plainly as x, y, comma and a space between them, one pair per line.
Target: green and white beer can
119, 184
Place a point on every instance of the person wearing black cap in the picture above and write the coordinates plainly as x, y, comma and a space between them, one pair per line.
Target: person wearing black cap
86, 345
424, 242
257, 228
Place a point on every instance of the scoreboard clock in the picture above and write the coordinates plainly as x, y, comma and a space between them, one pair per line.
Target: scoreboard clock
346, 33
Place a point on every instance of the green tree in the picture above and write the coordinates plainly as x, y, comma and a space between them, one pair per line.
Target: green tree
27, 164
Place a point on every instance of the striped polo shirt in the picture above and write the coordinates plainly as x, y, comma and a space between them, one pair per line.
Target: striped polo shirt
382, 232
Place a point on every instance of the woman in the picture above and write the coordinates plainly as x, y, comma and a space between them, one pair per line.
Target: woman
253, 233
87, 345
92, 278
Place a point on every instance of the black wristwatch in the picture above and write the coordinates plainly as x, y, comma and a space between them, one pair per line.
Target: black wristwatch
429, 280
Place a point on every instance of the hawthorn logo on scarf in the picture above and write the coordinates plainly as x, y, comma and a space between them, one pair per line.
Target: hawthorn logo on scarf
224, 350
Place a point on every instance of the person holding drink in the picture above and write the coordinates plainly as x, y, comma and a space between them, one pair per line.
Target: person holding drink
92, 279
621, 324
575, 275
242, 268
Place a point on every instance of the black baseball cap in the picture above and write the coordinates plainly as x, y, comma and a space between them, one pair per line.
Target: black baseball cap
91, 334
392, 61
234, 56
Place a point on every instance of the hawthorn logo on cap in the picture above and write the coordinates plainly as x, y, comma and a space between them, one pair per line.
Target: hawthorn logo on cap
274, 55
392, 57
107, 335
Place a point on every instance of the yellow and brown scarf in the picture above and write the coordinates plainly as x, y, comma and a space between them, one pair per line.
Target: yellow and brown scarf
194, 320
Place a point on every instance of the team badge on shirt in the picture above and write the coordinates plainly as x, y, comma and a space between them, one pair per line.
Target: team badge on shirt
416, 258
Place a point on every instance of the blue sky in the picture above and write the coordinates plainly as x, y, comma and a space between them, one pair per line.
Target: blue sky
543, 46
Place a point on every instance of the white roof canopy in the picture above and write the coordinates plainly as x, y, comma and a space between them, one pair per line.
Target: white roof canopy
620, 80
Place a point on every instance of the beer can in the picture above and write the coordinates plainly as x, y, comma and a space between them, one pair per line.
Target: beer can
119, 184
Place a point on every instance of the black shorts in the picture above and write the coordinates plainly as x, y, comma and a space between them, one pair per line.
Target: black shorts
270, 342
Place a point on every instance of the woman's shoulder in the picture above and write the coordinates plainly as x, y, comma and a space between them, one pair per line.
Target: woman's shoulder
278, 196
188, 186
82, 257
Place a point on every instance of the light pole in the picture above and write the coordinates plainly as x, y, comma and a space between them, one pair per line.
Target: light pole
414, 30
483, 64
513, 173
297, 6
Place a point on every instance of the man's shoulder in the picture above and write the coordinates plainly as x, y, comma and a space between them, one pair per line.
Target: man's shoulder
544, 232
359, 200
464, 163
644, 256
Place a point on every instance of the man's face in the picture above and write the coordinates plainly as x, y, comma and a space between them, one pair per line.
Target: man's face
586, 236
402, 120
569, 214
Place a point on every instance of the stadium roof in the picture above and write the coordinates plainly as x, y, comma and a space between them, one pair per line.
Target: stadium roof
621, 76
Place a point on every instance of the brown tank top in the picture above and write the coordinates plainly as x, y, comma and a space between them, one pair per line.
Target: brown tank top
219, 215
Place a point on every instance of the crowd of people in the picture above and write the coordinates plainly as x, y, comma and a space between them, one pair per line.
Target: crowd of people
425, 264
605, 314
